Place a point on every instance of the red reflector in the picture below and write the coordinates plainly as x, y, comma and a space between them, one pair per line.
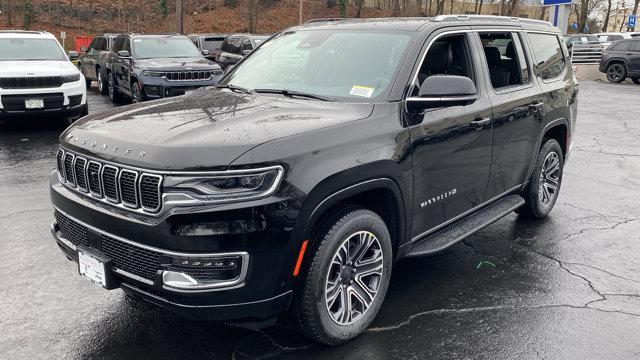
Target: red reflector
296, 270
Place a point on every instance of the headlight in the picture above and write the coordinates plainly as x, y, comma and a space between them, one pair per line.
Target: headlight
153, 73
70, 78
227, 186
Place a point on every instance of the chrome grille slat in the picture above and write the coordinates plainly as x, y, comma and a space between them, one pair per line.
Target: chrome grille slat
189, 75
79, 170
120, 186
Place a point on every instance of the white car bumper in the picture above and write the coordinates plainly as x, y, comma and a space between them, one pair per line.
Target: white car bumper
67, 98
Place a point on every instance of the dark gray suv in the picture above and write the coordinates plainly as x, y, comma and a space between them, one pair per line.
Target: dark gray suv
621, 60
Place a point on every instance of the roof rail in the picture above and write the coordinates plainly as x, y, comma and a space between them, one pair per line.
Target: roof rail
24, 31
488, 17
323, 20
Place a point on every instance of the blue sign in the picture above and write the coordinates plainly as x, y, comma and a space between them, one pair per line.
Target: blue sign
556, 2
574, 26
632, 21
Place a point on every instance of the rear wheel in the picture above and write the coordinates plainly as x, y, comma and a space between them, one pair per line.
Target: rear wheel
636, 80
347, 278
616, 73
544, 185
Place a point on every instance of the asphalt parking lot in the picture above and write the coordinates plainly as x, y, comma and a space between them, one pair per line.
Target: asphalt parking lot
567, 287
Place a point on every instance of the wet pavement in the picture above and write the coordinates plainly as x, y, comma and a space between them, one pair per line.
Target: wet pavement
567, 287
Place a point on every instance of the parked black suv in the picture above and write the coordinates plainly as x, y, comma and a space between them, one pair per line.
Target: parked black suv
92, 62
237, 46
210, 43
154, 66
320, 160
621, 60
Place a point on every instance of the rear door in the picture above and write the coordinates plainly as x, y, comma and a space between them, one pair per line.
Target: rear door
634, 58
517, 107
125, 67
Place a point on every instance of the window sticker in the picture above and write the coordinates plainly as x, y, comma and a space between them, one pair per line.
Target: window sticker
363, 91
137, 40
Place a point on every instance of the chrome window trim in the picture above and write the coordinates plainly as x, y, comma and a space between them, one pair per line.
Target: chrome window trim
104, 193
135, 188
159, 192
92, 193
84, 171
223, 285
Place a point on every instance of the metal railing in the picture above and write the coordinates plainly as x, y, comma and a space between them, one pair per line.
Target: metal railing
586, 52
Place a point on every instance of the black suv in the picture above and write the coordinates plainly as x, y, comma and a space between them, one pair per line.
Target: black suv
155, 66
235, 47
319, 161
209, 43
93, 61
621, 60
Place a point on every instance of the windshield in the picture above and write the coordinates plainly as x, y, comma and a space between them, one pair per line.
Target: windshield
164, 47
356, 65
212, 43
30, 49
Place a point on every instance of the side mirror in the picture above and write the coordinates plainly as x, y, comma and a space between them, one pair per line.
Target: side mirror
73, 55
246, 52
124, 54
205, 52
229, 68
442, 90
83, 49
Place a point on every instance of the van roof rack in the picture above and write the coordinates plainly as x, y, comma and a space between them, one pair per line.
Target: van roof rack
323, 20
488, 17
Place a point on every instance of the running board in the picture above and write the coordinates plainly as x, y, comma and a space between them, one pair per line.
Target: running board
460, 229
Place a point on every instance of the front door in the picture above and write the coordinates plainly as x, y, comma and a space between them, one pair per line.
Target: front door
518, 109
451, 145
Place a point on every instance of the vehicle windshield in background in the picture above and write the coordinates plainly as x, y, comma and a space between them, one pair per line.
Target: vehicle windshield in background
332, 64
164, 47
30, 49
212, 43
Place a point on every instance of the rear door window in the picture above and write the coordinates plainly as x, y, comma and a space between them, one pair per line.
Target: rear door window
505, 59
549, 58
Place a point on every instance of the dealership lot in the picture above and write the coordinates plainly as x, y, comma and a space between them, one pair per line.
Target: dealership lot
567, 287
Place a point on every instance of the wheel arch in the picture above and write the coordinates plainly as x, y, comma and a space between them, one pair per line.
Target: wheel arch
616, 60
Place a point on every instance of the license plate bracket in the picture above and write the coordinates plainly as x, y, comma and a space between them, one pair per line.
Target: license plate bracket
34, 104
95, 267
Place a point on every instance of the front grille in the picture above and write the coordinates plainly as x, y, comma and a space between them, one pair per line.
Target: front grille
133, 259
188, 75
71, 230
117, 185
81, 179
17, 102
30, 82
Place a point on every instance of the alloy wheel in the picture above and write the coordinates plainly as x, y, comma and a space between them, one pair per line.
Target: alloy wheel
615, 72
354, 277
549, 179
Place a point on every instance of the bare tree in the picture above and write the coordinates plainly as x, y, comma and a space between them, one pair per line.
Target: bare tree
606, 18
253, 15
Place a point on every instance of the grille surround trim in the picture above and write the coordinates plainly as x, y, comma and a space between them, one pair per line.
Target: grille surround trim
93, 193
136, 188
110, 199
160, 178
72, 181
84, 173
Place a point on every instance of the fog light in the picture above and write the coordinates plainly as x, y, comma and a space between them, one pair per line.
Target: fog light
152, 90
200, 273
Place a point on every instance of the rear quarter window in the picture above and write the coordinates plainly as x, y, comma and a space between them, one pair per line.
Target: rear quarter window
548, 56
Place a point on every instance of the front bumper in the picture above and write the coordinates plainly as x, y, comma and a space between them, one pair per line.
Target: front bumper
68, 100
261, 292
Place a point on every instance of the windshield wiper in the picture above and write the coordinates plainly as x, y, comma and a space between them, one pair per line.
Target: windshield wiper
292, 93
234, 88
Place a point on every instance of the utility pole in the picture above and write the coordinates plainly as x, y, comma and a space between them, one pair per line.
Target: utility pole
300, 12
180, 16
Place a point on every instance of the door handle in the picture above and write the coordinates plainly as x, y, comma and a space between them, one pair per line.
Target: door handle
479, 123
536, 109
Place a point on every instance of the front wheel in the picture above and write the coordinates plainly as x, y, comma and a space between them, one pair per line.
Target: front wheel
137, 95
347, 279
544, 185
103, 86
114, 93
616, 73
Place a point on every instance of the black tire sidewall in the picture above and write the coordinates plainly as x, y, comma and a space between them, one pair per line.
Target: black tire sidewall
323, 328
536, 208
113, 89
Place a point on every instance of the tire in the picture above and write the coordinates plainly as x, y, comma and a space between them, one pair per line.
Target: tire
636, 80
546, 175
88, 83
103, 86
114, 93
320, 317
137, 95
616, 73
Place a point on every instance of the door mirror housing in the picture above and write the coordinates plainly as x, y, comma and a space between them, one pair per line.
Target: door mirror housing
73, 55
124, 54
246, 52
205, 52
443, 90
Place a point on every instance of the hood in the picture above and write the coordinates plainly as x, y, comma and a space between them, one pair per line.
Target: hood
204, 130
199, 63
36, 68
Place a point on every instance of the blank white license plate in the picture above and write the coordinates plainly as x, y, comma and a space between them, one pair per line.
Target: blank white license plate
92, 268
34, 103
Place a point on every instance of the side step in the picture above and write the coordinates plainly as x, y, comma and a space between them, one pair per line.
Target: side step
460, 229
